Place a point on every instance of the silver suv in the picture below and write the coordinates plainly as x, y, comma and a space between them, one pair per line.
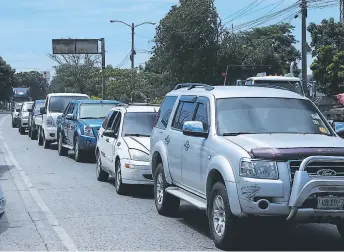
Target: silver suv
246, 151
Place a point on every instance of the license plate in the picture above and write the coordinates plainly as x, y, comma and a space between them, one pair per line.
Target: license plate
334, 203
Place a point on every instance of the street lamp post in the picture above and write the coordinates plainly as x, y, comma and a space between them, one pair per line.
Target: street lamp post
132, 26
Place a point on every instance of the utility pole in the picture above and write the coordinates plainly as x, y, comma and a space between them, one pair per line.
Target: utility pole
102, 41
132, 27
341, 2
304, 46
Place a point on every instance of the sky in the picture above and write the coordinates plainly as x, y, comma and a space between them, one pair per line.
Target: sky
28, 26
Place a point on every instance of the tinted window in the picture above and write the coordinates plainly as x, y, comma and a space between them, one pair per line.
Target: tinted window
117, 123
268, 115
95, 111
165, 112
111, 119
138, 123
106, 120
184, 113
202, 115
58, 104
70, 108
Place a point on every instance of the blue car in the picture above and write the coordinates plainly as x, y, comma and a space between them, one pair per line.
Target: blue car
77, 127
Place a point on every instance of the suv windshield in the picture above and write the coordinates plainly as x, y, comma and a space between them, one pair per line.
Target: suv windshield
138, 123
268, 115
95, 111
58, 104
27, 106
294, 86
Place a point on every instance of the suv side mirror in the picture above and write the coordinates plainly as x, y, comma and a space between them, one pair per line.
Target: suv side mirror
70, 116
42, 110
17, 110
194, 128
339, 128
109, 133
29, 110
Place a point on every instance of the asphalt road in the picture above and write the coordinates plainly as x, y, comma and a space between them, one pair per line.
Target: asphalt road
54, 203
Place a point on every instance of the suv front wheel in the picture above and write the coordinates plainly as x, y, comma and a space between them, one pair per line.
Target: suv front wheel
224, 227
166, 204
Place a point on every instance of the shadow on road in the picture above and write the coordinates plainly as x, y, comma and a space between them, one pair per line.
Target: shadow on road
136, 191
271, 235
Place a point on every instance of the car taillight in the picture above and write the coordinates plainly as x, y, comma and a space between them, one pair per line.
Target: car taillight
156, 118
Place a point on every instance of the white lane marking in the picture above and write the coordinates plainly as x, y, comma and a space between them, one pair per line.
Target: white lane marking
62, 234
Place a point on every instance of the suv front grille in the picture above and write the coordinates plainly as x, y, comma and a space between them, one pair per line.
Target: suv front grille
314, 167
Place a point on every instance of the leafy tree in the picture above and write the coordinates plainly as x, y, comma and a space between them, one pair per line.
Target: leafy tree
6, 80
77, 73
187, 43
328, 49
34, 80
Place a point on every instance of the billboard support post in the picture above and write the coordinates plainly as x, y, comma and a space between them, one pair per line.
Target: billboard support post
82, 46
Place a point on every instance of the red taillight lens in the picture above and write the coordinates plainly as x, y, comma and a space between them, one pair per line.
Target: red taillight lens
156, 118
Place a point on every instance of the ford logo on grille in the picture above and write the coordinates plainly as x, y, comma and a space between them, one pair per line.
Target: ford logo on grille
326, 172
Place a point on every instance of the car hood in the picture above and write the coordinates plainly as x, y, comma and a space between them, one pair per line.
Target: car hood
139, 143
94, 123
279, 141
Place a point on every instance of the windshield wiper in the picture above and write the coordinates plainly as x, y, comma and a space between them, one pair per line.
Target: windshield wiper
137, 135
237, 133
91, 117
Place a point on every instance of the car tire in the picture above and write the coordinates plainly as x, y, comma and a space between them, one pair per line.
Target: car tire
29, 133
40, 138
102, 175
78, 154
166, 204
63, 151
224, 228
33, 135
121, 188
13, 124
21, 130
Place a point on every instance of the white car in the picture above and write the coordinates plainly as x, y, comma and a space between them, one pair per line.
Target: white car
55, 104
24, 116
123, 146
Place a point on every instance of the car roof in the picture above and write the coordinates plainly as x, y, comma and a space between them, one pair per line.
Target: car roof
67, 94
274, 78
134, 108
238, 91
97, 101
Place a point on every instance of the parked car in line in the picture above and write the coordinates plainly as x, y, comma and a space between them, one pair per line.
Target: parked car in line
34, 112
24, 116
15, 114
77, 127
55, 105
2, 203
123, 146
239, 152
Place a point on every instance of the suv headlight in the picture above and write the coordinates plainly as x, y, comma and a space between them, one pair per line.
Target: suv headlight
260, 169
88, 131
138, 155
50, 121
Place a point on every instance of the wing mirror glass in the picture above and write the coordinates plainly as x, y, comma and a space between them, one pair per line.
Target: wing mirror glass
70, 116
195, 128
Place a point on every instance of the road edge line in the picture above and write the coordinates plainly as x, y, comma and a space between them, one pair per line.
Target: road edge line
59, 230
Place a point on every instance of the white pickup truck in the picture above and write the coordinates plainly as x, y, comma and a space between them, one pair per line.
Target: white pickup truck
55, 105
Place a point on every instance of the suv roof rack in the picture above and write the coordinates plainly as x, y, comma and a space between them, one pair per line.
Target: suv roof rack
193, 85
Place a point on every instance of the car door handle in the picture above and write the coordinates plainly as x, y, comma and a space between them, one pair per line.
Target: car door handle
107, 139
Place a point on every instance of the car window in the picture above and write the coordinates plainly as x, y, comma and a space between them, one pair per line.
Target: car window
117, 122
268, 116
94, 110
26, 107
38, 106
164, 113
107, 119
138, 123
111, 120
70, 108
202, 115
185, 112
58, 104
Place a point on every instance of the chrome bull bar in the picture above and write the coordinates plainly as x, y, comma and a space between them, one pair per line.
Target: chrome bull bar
304, 185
